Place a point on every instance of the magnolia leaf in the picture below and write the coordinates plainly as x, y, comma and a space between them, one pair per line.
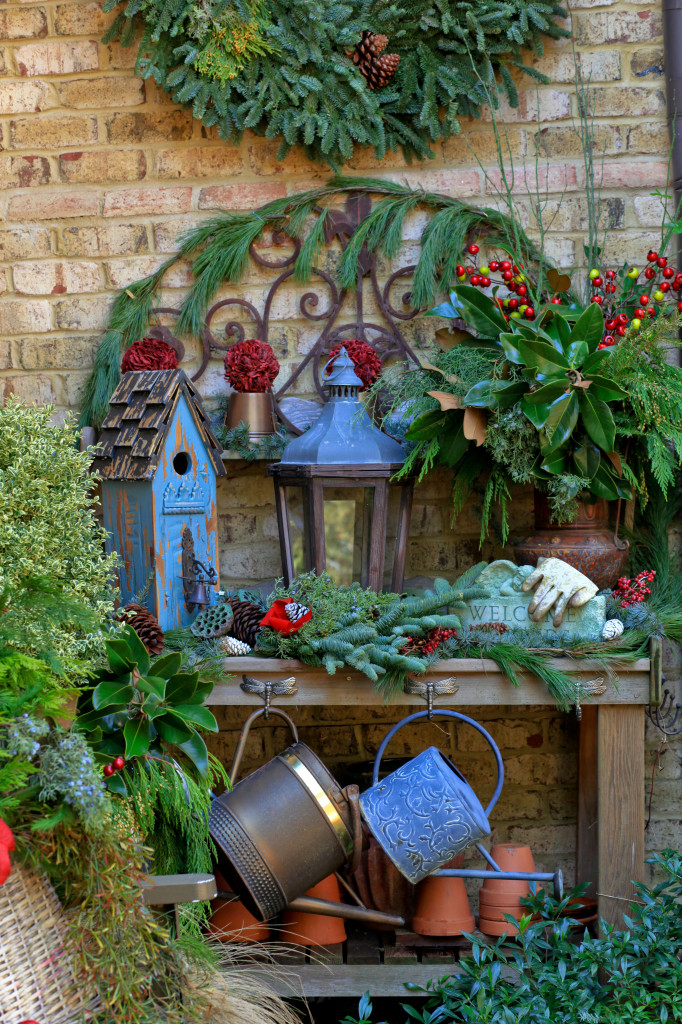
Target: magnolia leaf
137, 649
474, 426
427, 426
589, 327
172, 728
606, 389
197, 715
453, 445
116, 784
181, 688
480, 395
446, 400
554, 463
587, 459
616, 462
479, 311
196, 751
584, 384
203, 691
559, 282
115, 691
546, 360
603, 485
598, 421
596, 362
137, 734
152, 684
547, 393
166, 666
576, 353
563, 416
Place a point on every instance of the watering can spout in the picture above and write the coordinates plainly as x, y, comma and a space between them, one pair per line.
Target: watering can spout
312, 905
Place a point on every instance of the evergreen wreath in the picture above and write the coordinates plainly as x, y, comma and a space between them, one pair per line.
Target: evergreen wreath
286, 68
219, 250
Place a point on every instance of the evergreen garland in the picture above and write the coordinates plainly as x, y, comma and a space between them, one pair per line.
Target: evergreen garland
219, 252
279, 67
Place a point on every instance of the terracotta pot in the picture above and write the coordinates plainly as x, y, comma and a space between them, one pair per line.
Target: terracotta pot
587, 544
496, 928
315, 929
381, 886
583, 909
256, 410
508, 857
232, 922
443, 906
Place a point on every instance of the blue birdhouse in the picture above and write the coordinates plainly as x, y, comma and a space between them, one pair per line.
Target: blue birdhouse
159, 460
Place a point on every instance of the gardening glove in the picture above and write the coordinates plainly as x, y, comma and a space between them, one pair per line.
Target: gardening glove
559, 586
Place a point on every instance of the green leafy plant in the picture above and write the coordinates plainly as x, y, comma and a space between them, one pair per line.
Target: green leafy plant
546, 975
556, 407
48, 531
141, 707
297, 80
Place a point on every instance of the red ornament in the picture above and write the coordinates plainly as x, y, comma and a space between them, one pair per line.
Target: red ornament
118, 763
276, 618
652, 256
473, 249
6, 844
149, 354
250, 366
365, 360
649, 273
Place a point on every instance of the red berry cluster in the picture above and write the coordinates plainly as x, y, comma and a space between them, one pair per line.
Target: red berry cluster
634, 591
437, 637
512, 278
660, 282
116, 766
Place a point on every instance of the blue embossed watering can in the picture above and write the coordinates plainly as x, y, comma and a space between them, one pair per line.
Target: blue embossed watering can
425, 813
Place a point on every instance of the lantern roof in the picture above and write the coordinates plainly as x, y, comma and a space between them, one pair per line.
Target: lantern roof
344, 433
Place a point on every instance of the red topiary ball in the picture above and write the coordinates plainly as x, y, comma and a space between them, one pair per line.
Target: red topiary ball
366, 361
251, 366
149, 354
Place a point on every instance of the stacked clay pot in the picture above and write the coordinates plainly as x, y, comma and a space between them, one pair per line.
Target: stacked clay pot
315, 929
443, 905
500, 896
231, 922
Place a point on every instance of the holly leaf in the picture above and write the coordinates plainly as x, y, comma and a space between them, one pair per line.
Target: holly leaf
562, 418
137, 734
598, 420
117, 692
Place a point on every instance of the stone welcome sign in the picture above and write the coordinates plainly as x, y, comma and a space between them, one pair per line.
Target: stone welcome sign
508, 605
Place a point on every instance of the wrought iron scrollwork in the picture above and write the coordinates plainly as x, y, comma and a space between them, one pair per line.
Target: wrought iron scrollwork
323, 306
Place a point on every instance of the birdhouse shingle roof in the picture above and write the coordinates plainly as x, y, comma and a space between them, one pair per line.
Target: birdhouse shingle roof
140, 414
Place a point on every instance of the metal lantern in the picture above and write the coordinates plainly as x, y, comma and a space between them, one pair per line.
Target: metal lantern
337, 509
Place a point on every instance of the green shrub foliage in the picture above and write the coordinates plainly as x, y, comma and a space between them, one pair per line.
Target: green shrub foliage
280, 69
48, 530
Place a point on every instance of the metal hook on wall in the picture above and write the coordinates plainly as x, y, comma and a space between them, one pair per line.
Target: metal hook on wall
430, 689
666, 715
266, 689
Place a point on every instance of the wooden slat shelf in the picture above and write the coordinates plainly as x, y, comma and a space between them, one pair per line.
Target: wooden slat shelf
480, 682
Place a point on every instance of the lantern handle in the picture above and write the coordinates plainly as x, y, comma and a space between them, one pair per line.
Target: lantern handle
417, 716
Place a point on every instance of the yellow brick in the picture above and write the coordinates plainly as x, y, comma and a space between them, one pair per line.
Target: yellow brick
52, 132
103, 165
109, 91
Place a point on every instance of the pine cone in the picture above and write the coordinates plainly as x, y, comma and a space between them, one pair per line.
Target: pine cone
295, 611
247, 620
233, 647
378, 71
371, 45
145, 624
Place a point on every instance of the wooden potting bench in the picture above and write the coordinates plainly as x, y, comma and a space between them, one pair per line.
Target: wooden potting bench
610, 827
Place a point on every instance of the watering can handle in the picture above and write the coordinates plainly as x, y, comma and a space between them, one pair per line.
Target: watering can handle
417, 716
243, 736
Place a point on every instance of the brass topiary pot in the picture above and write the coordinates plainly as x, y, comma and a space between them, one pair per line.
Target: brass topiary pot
255, 409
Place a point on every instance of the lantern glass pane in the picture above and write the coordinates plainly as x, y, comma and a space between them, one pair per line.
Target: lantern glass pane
347, 530
298, 522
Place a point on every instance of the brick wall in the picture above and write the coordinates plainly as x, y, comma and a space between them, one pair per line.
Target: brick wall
100, 173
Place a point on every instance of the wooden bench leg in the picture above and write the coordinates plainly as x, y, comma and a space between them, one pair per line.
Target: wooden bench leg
587, 852
620, 788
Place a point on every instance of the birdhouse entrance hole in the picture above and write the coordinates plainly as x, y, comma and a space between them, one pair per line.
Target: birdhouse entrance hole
182, 463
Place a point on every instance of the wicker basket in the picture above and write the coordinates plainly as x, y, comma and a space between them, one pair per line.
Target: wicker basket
36, 981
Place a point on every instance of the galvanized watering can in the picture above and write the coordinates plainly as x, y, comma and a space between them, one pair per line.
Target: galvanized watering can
289, 824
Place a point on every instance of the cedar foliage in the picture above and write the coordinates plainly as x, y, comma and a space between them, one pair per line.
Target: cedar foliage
296, 82
219, 253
